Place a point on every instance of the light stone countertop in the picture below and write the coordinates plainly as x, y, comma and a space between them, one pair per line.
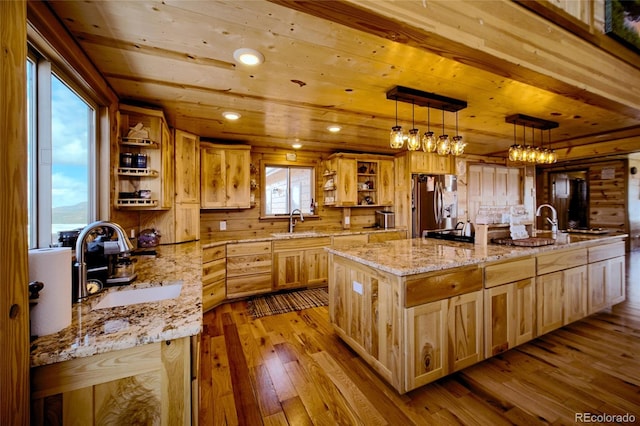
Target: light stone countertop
111, 329
421, 255
225, 237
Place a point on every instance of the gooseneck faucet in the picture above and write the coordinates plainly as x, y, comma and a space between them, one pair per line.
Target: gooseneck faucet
123, 245
292, 221
554, 217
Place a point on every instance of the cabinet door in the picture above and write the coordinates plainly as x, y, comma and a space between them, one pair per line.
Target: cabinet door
385, 183
167, 172
213, 178
525, 308
575, 294
238, 187
499, 319
597, 290
426, 343
346, 182
316, 267
186, 222
288, 269
615, 289
187, 166
465, 330
549, 302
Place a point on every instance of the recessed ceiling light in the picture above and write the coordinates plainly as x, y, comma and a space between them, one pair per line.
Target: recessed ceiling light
296, 145
248, 56
230, 115
334, 128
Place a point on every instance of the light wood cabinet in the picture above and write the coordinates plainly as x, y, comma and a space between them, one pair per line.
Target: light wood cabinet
349, 240
144, 160
214, 274
430, 163
606, 276
358, 180
300, 262
465, 330
509, 304
426, 350
248, 269
148, 384
491, 185
561, 288
186, 208
187, 167
225, 176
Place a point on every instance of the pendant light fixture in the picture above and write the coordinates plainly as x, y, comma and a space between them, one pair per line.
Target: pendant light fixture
457, 146
413, 142
531, 153
396, 138
444, 145
428, 140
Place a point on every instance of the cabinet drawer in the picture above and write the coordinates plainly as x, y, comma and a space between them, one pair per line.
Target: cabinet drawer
507, 272
247, 265
607, 251
248, 285
213, 253
442, 285
301, 243
212, 294
242, 249
559, 260
213, 271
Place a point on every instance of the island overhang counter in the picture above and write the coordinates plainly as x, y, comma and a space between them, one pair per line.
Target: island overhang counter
419, 309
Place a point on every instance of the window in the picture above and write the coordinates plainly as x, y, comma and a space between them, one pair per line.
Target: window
61, 164
287, 188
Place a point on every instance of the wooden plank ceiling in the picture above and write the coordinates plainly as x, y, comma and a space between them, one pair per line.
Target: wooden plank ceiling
333, 62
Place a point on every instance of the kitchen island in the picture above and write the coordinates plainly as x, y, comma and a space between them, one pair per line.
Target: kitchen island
419, 309
126, 363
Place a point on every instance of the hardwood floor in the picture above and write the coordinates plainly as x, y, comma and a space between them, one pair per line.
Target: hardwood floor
291, 369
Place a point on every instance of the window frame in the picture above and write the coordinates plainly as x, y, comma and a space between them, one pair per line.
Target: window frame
40, 148
282, 164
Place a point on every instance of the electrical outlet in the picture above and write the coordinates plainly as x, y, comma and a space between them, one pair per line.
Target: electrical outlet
223, 225
347, 220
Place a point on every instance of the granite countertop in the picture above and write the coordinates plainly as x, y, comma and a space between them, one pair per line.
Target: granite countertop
110, 329
420, 255
219, 238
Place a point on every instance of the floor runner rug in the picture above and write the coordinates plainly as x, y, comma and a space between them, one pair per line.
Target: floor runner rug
287, 302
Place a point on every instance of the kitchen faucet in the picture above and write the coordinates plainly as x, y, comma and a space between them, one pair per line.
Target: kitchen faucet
292, 222
554, 217
123, 245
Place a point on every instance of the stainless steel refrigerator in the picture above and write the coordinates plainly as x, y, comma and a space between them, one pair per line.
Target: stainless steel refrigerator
434, 203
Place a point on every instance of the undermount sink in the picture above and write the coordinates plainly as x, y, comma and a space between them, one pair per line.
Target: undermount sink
139, 295
294, 234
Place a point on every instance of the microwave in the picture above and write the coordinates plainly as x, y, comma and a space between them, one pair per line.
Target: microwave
385, 220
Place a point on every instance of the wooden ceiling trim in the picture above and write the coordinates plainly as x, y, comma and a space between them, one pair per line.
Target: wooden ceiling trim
153, 50
600, 150
395, 21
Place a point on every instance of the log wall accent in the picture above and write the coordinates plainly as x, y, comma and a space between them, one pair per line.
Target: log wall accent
14, 304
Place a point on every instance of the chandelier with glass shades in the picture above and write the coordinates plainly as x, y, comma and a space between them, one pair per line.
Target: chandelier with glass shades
529, 152
427, 142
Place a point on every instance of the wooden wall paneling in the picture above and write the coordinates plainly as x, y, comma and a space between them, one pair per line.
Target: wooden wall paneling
14, 275
607, 195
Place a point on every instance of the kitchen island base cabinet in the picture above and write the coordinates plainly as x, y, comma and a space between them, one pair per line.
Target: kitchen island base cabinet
606, 276
149, 384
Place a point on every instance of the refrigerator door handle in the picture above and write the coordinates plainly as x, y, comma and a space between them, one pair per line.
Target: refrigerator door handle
438, 203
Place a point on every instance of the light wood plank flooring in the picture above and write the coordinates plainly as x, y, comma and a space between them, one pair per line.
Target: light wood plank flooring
291, 369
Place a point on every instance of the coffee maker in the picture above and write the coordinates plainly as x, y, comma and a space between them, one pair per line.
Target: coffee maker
105, 262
